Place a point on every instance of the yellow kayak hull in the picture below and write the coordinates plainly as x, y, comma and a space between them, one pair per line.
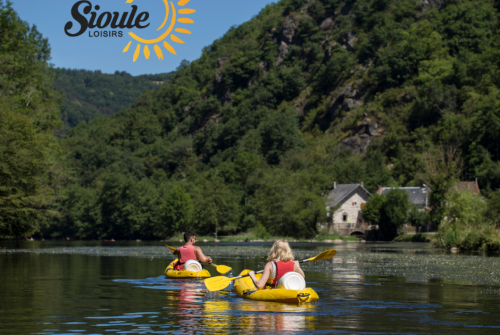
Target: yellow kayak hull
171, 273
244, 287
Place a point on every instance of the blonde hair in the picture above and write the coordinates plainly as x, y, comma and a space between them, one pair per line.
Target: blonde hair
280, 252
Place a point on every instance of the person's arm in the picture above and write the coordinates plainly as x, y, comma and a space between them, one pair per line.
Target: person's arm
177, 253
265, 276
297, 269
201, 257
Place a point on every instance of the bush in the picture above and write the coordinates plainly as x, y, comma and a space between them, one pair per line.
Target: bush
388, 211
260, 231
485, 237
465, 226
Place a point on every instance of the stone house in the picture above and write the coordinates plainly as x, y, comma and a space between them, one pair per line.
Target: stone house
348, 200
419, 196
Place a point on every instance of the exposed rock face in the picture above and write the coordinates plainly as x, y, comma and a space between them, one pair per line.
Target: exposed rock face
223, 94
372, 128
220, 61
283, 50
220, 64
439, 4
326, 24
300, 105
348, 40
288, 30
367, 127
357, 144
328, 53
348, 98
348, 104
361, 140
227, 98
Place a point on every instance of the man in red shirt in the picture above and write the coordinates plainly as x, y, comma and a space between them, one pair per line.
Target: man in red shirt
189, 251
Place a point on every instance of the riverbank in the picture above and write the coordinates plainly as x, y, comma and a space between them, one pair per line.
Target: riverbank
485, 237
249, 237
419, 237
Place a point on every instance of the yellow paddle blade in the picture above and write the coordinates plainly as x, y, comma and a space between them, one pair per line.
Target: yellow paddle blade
223, 269
324, 255
217, 283
171, 248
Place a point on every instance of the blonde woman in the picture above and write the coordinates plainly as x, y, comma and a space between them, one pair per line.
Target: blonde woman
281, 261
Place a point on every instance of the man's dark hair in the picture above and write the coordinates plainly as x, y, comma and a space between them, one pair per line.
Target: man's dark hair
188, 235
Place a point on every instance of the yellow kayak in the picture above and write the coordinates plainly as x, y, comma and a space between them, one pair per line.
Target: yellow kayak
245, 288
171, 273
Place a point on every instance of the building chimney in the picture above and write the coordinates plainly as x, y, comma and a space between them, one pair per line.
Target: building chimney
379, 189
334, 185
361, 183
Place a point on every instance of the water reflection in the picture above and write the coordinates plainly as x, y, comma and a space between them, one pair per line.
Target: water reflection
217, 318
276, 317
188, 302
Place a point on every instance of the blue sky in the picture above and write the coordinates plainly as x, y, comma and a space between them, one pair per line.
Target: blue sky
211, 20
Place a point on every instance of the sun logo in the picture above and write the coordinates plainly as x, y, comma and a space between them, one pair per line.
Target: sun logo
168, 31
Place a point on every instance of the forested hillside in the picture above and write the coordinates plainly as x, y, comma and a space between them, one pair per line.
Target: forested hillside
254, 133
89, 94
31, 169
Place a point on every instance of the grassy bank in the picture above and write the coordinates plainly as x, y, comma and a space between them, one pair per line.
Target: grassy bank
484, 237
420, 237
254, 238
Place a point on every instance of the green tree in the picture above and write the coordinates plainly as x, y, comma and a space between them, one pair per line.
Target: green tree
286, 204
396, 210
389, 211
465, 208
441, 169
280, 133
494, 207
465, 225
178, 211
29, 115
24, 193
418, 217
374, 209
216, 208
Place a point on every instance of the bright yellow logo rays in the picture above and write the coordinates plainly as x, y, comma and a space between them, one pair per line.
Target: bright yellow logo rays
170, 10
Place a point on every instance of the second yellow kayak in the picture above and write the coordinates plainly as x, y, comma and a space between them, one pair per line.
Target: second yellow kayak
244, 287
171, 273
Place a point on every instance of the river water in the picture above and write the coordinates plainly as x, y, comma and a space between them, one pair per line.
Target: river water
120, 288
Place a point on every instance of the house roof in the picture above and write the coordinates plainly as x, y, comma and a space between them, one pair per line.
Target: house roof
467, 185
342, 192
417, 195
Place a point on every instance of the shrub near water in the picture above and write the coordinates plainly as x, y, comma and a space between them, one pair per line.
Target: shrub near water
466, 226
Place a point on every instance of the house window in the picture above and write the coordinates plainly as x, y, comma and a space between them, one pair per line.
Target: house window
344, 217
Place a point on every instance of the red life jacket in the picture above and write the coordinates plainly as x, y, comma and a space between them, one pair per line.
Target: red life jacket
187, 253
282, 268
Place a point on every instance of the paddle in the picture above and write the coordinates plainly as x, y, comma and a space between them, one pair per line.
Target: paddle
221, 282
222, 269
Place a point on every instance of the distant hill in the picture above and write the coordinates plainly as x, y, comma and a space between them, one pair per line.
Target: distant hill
90, 94
253, 134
